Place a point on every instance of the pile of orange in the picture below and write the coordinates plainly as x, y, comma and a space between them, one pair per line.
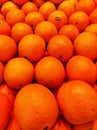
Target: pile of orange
48, 65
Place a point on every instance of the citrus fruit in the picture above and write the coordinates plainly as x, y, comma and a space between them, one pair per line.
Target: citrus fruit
86, 126
7, 6
80, 19
4, 28
46, 30
58, 18
82, 68
19, 30
5, 111
70, 31
35, 107
5, 89
18, 72
44, 69
3, 1
33, 18
29, 7
86, 5
46, 9
93, 16
85, 44
78, 102
8, 48
32, 47
67, 7
60, 47
92, 28
14, 16
38, 3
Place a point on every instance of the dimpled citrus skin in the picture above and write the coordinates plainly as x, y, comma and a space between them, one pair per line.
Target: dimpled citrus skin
77, 101
37, 101
50, 72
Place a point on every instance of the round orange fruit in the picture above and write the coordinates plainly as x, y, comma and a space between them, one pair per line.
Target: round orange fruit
78, 102
18, 72
35, 108
50, 72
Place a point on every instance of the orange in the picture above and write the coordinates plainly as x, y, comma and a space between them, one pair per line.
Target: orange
86, 126
67, 7
33, 18
29, 7
46, 9
96, 1
80, 19
2, 2
4, 88
58, 18
70, 31
91, 28
56, 2
32, 47
19, 30
82, 68
20, 2
78, 102
86, 5
93, 16
35, 107
1, 72
46, 30
13, 124
61, 124
38, 2
14, 16
4, 28
8, 48
86, 44
74, 2
60, 47
50, 72
4, 111
7, 6
18, 72
1, 17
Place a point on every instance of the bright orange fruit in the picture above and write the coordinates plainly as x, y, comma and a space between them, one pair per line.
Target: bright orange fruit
78, 102
81, 68
60, 47
23, 72
46, 30
8, 48
32, 47
19, 30
5, 111
35, 107
85, 44
50, 72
